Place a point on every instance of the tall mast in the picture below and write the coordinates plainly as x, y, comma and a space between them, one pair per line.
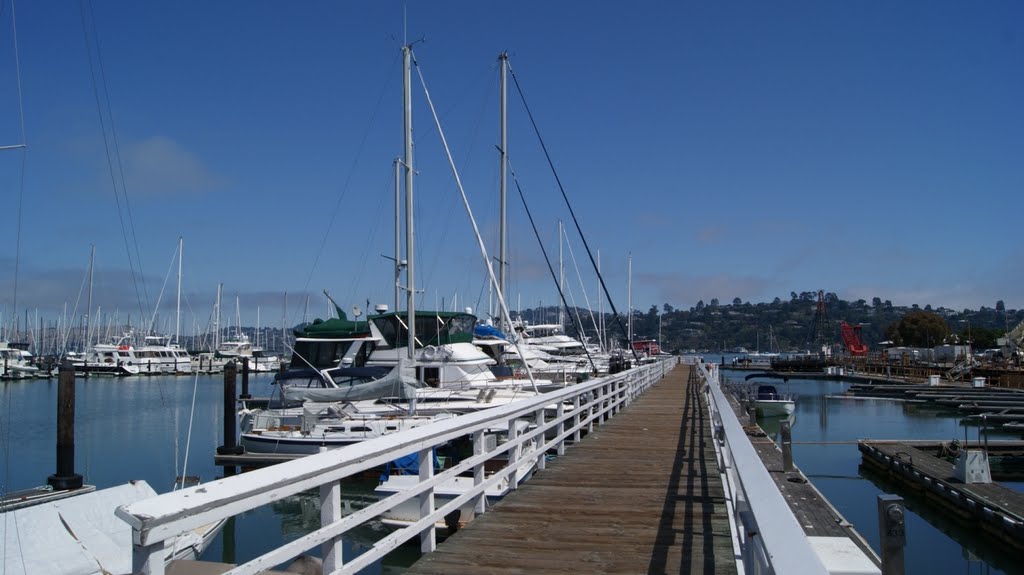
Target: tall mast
561, 277
600, 306
502, 233
410, 269
398, 234
216, 324
629, 297
177, 315
88, 315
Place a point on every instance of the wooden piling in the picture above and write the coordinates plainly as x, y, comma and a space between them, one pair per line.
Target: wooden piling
65, 478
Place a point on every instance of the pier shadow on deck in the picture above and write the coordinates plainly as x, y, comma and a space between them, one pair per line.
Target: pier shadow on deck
641, 494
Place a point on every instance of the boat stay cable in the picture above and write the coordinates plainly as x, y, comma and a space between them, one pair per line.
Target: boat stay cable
583, 289
575, 221
348, 179
547, 260
110, 147
472, 220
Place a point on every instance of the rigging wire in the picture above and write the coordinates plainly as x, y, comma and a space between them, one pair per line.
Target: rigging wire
536, 130
90, 41
348, 178
23, 146
469, 212
547, 260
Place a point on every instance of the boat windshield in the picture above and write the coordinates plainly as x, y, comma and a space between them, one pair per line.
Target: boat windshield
432, 328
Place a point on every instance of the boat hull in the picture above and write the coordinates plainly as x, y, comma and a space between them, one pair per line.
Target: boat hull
770, 407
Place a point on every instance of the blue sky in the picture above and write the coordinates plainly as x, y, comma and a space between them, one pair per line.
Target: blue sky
740, 149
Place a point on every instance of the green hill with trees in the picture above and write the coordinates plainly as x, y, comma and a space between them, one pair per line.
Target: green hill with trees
788, 325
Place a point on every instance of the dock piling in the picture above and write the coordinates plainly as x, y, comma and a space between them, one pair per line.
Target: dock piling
892, 533
786, 431
245, 379
65, 477
230, 446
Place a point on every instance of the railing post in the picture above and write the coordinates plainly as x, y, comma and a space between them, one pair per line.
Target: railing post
595, 400
513, 454
892, 533
541, 459
478, 472
330, 512
560, 415
428, 539
576, 419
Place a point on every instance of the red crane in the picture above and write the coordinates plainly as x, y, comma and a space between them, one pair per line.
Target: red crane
851, 339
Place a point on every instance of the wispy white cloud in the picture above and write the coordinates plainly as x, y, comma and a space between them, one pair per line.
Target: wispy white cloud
158, 166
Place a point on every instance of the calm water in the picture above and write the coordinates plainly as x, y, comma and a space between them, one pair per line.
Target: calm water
935, 544
137, 428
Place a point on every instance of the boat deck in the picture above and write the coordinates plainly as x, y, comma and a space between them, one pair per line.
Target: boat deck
641, 494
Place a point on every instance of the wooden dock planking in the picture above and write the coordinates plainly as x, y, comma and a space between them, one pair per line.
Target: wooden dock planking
641, 494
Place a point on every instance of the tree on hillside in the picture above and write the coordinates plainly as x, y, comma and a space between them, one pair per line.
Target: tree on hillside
918, 329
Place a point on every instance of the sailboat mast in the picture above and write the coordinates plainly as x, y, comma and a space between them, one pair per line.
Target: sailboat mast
629, 297
398, 234
216, 324
177, 314
502, 245
88, 315
410, 268
561, 277
600, 307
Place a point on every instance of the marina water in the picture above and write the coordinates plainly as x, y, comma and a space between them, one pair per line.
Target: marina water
825, 431
137, 428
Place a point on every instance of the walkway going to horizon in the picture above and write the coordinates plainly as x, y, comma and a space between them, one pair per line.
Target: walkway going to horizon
641, 494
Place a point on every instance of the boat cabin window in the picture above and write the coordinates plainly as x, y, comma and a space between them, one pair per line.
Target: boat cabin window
321, 354
431, 328
432, 376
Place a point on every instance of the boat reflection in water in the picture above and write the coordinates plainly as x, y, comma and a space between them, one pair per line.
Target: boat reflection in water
772, 424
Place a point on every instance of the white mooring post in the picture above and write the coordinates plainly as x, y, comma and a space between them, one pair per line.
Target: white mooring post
330, 513
560, 415
513, 455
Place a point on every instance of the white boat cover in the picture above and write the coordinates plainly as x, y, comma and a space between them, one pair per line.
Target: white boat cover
75, 536
400, 382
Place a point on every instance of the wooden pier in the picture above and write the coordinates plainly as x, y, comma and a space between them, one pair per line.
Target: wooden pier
998, 510
641, 494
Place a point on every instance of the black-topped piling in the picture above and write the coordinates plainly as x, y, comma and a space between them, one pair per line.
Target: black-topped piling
65, 478
245, 379
230, 446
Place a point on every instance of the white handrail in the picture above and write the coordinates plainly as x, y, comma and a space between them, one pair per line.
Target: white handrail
771, 538
567, 411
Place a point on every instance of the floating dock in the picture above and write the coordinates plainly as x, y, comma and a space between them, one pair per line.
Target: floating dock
998, 510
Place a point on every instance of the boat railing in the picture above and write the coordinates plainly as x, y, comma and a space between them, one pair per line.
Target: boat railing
766, 535
558, 417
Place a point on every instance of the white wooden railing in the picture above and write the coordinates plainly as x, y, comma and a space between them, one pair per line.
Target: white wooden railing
768, 535
558, 417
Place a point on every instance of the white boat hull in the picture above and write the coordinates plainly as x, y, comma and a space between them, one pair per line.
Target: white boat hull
769, 407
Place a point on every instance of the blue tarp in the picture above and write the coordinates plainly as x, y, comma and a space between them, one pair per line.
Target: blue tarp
488, 331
